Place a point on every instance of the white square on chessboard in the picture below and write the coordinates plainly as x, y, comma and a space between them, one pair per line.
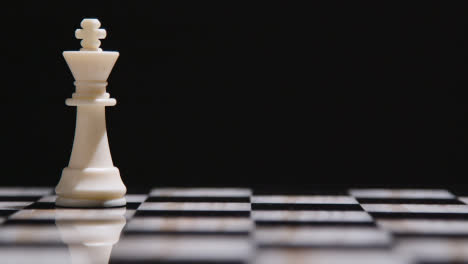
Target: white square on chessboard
136, 198
43, 255
48, 199
70, 214
201, 192
174, 206
464, 199
13, 205
182, 248
312, 216
302, 199
426, 226
282, 256
322, 236
416, 208
30, 234
181, 224
434, 250
24, 191
402, 193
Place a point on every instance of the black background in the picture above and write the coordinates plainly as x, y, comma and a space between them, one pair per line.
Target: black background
231, 93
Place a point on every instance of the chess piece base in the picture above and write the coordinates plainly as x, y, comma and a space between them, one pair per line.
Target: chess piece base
90, 187
68, 202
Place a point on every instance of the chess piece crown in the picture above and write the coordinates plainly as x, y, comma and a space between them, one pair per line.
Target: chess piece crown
90, 34
91, 66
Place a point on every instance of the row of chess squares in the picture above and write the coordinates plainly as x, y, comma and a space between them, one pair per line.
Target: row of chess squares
177, 219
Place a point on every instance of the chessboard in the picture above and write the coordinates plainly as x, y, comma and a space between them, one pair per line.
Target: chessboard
237, 225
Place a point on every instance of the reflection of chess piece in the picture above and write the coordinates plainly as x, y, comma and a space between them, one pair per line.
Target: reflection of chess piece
90, 180
90, 235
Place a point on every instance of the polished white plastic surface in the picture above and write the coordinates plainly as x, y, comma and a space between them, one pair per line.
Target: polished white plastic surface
91, 179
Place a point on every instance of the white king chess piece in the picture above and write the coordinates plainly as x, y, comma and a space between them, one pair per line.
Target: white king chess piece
90, 180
